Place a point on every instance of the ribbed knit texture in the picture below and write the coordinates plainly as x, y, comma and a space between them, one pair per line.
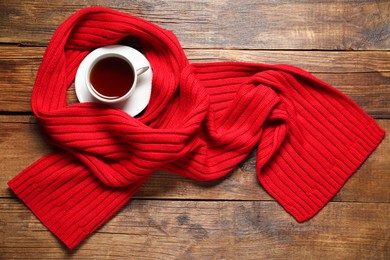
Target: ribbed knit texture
202, 120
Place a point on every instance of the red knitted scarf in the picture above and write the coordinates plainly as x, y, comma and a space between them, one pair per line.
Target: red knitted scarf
202, 120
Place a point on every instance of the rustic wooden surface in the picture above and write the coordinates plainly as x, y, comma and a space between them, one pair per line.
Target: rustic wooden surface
346, 43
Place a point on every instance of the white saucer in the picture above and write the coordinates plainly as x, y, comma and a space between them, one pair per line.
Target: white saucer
141, 95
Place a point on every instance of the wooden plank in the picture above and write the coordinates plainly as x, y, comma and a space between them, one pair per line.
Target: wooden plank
370, 184
326, 25
158, 229
364, 76
313, 61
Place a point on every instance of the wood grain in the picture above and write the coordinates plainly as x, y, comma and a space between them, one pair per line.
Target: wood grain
325, 25
369, 184
148, 229
313, 61
368, 85
345, 43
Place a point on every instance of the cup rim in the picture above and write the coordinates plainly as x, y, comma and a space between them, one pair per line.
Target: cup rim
96, 93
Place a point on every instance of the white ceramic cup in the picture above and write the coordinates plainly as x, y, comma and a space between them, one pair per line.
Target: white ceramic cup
117, 52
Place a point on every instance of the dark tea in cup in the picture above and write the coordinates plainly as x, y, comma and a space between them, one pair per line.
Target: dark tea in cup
112, 77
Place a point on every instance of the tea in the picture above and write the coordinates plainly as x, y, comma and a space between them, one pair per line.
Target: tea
112, 77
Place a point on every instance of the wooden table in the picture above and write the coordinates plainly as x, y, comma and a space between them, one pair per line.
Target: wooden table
344, 43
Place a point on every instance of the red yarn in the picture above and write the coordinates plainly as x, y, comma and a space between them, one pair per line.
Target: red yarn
202, 120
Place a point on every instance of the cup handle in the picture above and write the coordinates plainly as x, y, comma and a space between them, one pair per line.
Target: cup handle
141, 70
